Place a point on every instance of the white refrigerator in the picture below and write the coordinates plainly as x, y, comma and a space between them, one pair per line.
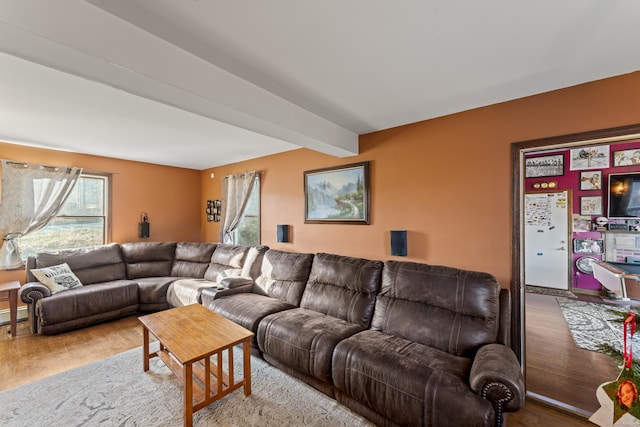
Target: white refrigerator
547, 244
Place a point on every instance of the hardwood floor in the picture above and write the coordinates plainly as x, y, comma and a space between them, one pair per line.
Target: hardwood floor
555, 367
28, 357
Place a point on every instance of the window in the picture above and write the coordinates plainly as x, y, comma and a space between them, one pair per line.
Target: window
81, 222
248, 231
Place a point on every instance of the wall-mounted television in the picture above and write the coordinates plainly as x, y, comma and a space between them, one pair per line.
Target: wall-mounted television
624, 195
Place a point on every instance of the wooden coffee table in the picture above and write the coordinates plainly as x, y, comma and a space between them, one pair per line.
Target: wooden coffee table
189, 336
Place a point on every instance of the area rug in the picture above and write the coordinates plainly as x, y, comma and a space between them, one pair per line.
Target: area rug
593, 325
117, 392
549, 291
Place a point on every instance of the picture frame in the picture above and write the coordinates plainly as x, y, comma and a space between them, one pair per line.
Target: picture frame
588, 246
626, 157
591, 157
591, 205
552, 165
581, 224
337, 195
591, 180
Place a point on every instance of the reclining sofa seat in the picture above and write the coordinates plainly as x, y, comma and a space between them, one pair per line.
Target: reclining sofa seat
278, 286
337, 302
228, 266
174, 274
149, 264
425, 361
107, 292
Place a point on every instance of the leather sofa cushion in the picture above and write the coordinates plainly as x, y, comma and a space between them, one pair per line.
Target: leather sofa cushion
283, 275
153, 290
187, 291
304, 340
87, 301
148, 259
192, 259
443, 307
253, 261
226, 261
407, 382
91, 265
343, 287
248, 309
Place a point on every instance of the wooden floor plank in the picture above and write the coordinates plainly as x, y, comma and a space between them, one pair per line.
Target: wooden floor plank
555, 367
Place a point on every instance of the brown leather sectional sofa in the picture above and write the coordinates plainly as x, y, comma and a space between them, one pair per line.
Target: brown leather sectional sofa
401, 343
121, 280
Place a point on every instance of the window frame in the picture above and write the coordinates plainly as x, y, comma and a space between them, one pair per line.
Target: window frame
106, 210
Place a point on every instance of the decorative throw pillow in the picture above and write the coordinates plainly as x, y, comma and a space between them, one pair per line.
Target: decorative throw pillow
57, 278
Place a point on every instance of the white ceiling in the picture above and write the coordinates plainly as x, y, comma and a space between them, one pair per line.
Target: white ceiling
199, 84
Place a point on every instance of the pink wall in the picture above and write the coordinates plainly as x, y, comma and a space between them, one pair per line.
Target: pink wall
571, 180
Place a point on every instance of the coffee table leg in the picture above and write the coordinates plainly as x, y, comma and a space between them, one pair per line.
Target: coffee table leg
145, 349
247, 367
188, 395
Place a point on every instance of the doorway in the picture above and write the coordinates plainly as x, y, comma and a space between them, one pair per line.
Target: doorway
545, 384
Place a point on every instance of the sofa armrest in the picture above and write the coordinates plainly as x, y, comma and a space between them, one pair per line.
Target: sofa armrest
32, 292
235, 282
210, 294
497, 376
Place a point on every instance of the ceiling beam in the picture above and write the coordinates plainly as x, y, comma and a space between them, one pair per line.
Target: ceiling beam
70, 37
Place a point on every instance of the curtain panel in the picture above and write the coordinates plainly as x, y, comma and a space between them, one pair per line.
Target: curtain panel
236, 191
31, 196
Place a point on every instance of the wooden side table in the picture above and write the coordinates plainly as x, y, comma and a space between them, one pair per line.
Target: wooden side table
9, 292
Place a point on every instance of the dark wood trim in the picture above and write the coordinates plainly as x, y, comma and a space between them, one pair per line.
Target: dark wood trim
552, 403
517, 290
579, 137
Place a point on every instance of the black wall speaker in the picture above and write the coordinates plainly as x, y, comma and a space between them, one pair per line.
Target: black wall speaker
399, 242
283, 233
143, 229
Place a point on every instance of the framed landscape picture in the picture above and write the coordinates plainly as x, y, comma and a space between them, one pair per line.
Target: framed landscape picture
337, 194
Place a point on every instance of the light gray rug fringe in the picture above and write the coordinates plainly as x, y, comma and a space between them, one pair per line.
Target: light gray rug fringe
549, 291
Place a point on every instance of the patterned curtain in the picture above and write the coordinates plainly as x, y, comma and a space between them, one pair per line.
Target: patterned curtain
236, 190
31, 196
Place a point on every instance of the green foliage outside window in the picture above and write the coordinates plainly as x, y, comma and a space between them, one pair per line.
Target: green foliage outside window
248, 231
80, 223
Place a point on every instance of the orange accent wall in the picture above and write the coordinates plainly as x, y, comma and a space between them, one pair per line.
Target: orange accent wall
169, 195
446, 180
